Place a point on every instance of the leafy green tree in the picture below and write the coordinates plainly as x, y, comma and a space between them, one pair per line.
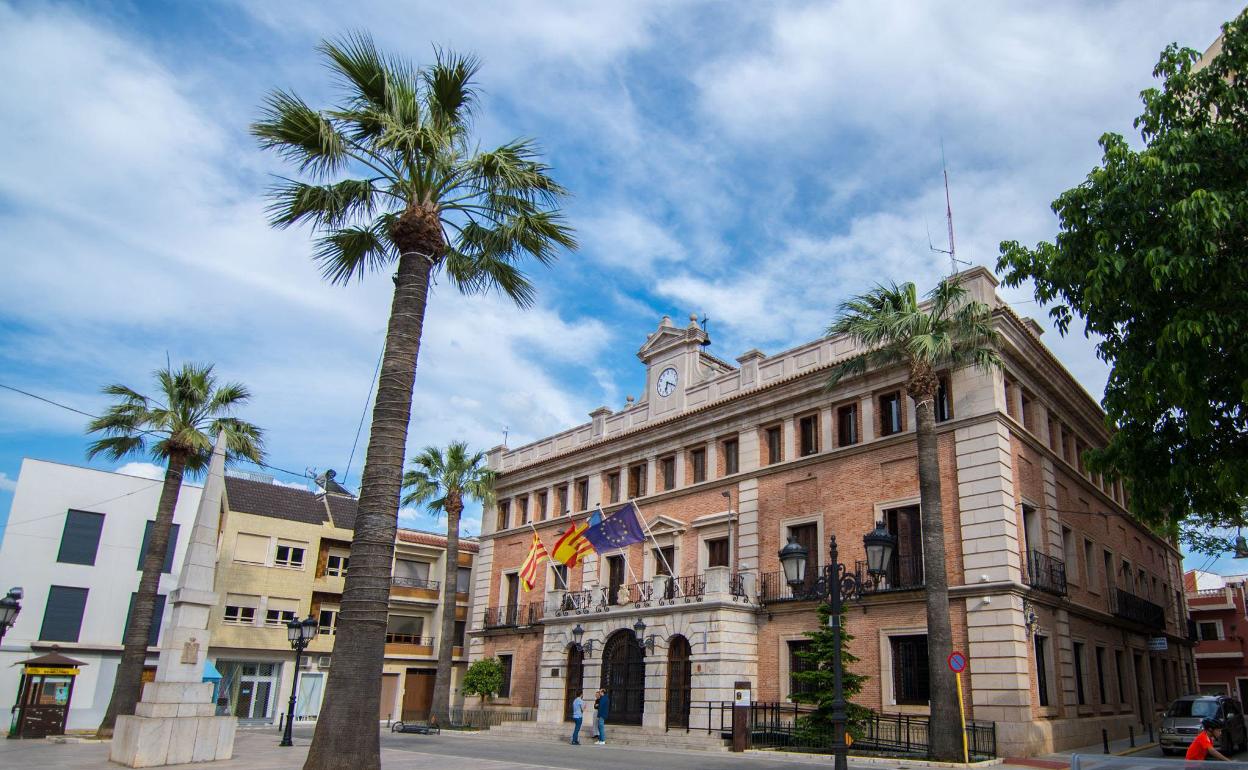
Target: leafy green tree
177, 428
1151, 254
818, 681
395, 183
441, 482
484, 678
948, 331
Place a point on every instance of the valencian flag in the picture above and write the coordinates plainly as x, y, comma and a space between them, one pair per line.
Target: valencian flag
528, 570
572, 547
617, 530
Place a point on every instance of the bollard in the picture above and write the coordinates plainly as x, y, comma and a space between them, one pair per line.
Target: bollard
1105, 739
1131, 733
1150, 732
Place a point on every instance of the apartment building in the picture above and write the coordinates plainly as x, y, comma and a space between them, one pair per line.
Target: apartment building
1071, 613
1219, 616
73, 542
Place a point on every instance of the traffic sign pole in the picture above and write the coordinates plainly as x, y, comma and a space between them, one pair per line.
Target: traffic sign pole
957, 664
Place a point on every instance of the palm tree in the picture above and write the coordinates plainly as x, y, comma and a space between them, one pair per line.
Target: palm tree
440, 481
177, 428
397, 184
947, 331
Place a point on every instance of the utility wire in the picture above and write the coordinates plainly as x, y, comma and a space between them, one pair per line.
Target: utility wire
90, 505
364, 412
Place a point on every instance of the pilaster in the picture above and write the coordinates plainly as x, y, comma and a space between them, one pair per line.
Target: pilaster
747, 524
990, 550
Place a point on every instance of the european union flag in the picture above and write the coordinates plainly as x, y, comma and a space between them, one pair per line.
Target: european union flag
616, 531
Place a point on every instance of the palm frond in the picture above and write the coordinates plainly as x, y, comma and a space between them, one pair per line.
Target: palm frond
327, 206
352, 252
359, 68
449, 92
300, 134
116, 447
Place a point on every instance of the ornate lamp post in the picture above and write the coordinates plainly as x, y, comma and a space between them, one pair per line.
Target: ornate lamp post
10, 605
300, 633
587, 647
837, 586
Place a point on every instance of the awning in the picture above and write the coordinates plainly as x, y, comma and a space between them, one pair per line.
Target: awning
211, 674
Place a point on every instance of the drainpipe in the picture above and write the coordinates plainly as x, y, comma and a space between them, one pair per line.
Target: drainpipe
732, 537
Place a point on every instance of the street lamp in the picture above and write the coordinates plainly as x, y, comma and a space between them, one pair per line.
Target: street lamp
587, 647
836, 587
10, 605
300, 633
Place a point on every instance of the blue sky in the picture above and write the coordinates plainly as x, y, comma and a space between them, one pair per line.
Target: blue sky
756, 163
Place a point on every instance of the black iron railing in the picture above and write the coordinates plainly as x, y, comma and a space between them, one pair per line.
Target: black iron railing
684, 588
904, 573
422, 641
640, 594
411, 582
736, 586
1128, 606
575, 603
513, 615
1046, 573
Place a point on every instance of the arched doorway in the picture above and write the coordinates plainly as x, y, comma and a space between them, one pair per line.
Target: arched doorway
624, 677
679, 682
575, 680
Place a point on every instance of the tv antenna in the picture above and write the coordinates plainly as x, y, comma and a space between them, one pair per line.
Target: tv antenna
506, 431
952, 250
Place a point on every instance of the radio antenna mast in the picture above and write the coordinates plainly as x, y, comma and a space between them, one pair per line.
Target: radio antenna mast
952, 250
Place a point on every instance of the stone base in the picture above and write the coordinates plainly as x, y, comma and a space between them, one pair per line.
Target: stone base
153, 741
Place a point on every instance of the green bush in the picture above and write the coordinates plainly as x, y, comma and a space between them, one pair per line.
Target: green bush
484, 678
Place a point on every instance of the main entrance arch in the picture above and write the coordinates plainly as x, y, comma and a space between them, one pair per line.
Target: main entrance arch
679, 682
624, 677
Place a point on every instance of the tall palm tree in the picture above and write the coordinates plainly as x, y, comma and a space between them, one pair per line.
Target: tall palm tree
178, 428
948, 331
441, 481
396, 183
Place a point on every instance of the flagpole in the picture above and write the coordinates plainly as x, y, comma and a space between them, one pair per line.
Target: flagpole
658, 549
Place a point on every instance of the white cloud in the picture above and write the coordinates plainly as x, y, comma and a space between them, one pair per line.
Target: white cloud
7, 484
142, 470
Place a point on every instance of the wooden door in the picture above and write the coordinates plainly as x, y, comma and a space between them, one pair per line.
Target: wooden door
907, 567
624, 677
389, 691
615, 578
679, 682
513, 599
418, 694
807, 535
575, 680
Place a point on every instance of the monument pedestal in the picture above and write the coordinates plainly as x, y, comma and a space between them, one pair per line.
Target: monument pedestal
173, 725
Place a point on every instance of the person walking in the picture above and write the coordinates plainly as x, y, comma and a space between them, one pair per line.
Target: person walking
604, 711
578, 712
1203, 747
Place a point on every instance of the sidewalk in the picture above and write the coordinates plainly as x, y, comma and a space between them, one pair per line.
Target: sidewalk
1121, 748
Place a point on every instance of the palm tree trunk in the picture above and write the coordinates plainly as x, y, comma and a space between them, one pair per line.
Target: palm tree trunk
128, 685
346, 730
442, 683
943, 731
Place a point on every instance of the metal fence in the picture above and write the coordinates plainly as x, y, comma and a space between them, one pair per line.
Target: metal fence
482, 718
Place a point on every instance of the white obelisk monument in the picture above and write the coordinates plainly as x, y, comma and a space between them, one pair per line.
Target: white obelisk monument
174, 723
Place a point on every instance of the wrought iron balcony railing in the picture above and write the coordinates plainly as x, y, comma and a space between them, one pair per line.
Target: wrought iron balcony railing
905, 573
411, 582
1046, 573
1137, 609
513, 615
419, 641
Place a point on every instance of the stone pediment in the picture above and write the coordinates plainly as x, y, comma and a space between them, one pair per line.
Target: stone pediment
668, 336
666, 525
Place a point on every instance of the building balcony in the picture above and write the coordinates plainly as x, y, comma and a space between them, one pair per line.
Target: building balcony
330, 584
1045, 573
1137, 609
415, 589
1219, 648
660, 591
408, 644
905, 573
513, 615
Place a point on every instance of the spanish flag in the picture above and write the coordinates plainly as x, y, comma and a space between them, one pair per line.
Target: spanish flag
528, 570
572, 546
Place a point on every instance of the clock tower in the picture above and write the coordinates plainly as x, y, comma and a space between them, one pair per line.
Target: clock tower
675, 361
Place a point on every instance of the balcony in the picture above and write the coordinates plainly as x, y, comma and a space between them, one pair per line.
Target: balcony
1044, 573
1137, 609
418, 589
513, 616
905, 573
408, 644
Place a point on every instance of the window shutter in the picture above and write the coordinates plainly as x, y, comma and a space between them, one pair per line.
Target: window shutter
80, 538
158, 616
169, 550
284, 605
62, 616
253, 549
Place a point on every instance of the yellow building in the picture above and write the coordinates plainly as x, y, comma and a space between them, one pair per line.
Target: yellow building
284, 554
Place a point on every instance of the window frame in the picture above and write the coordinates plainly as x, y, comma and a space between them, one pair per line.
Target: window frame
1040, 655
66, 592
506, 661
84, 520
289, 562
667, 467
921, 678
238, 620
942, 407
773, 440
504, 515
1077, 650
714, 544
808, 435
732, 455
850, 409
697, 464
166, 567
900, 426
340, 570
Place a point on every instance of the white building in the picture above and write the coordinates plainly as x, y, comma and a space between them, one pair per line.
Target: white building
73, 543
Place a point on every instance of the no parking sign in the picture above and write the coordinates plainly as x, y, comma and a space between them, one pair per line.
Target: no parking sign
957, 662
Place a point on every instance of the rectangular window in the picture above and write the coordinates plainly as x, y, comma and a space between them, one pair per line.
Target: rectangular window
730, 457
774, 454
522, 509
327, 622
541, 506
717, 552
944, 405
890, 413
1080, 696
1100, 673
582, 494
563, 500
1089, 562
1108, 558
62, 615
504, 690
615, 578
560, 572
336, 564
1029, 417
289, 554
668, 466
415, 571
1119, 678
1055, 435
697, 458
809, 430
797, 664
637, 481
251, 549
457, 639
504, 514
1208, 631
463, 580
847, 425
1042, 668
81, 537
911, 682
1069, 553
172, 546
158, 615
240, 616
664, 558
279, 612
613, 487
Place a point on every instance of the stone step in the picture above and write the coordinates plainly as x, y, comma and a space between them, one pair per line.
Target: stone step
617, 735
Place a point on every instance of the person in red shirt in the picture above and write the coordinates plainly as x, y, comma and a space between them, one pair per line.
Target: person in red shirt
1202, 748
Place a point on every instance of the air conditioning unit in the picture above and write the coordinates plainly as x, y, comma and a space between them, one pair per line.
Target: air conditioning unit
323, 661
305, 663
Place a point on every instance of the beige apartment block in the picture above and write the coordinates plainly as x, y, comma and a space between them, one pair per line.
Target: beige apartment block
1072, 615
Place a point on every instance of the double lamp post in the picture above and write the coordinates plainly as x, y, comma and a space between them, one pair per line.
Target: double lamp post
300, 633
10, 605
836, 585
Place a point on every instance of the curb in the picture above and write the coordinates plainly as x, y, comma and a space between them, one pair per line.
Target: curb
867, 760
1136, 750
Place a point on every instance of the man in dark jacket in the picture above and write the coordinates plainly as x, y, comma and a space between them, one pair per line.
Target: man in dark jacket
604, 711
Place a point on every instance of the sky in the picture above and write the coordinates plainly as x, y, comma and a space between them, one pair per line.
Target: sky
755, 163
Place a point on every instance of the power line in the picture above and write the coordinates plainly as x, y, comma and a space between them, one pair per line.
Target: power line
90, 505
364, 413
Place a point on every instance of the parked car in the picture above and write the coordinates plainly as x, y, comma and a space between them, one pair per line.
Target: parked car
1181, 723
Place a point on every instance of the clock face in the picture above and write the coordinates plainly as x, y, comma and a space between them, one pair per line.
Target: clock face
667, 382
